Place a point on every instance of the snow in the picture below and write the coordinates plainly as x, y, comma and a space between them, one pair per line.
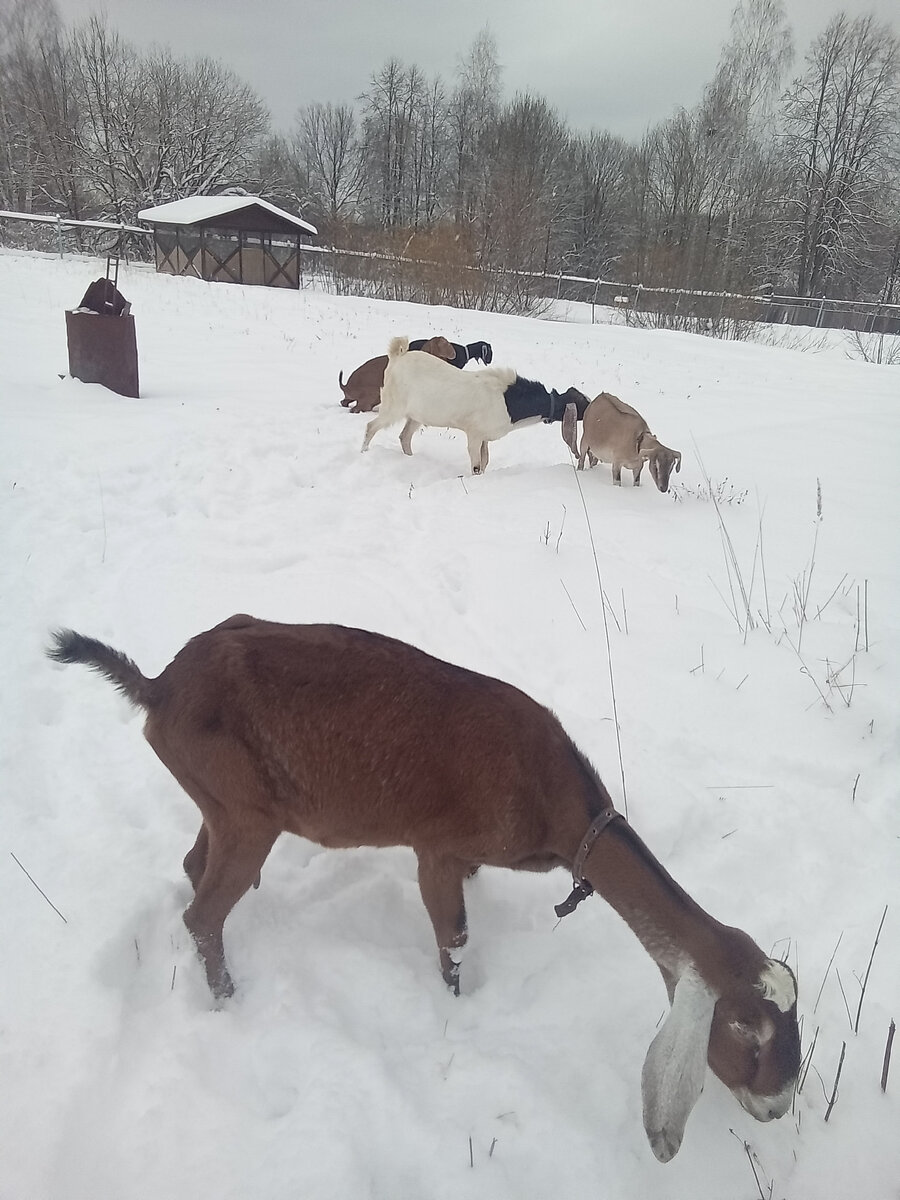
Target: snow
342, 1066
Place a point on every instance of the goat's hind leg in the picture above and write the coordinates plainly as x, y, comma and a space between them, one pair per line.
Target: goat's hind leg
382, 421
441, 885
195, 860
234, 859
406, 434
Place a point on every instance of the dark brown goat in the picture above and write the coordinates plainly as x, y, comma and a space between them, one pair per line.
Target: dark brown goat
349, 738
363, 389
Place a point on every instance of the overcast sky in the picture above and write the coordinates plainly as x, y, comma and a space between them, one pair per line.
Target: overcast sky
619, 65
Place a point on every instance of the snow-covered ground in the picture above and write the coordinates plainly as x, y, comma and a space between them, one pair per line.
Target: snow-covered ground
766, 779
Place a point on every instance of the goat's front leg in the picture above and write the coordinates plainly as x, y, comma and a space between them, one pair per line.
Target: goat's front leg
478, 455
406, 434
617, 474
637, 472
441, 885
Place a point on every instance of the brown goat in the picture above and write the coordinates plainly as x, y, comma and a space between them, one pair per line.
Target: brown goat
363, 389
616, 433
349, 738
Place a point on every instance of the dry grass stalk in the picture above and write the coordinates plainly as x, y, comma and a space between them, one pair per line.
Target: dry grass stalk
807, 1060
828, 968
865, 981
574, 609
39, 888
886, 1065
837, 1078
612, 680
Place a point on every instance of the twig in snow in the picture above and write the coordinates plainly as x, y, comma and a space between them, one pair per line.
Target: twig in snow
747, 1151
821, 609
624, 611
866, 611
853, 793
743, 681
827, 969
834, 1090
39, 888
804, 1071
862, 994
174, 969
844, 995
491, 1151
612, 681
471, 1155
610, 610
574, 609
463, 482
886, 1065
561, 528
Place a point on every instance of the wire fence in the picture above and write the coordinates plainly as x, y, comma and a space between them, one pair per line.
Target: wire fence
457, 283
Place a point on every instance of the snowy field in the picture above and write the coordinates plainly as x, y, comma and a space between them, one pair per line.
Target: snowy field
761, 768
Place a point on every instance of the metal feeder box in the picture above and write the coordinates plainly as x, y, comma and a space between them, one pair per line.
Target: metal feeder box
102, 339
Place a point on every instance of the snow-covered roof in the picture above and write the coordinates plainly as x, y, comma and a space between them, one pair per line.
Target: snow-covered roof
193, 209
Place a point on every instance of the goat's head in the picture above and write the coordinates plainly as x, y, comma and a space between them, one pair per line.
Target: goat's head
661, 460
754, 1043
576, 404
440, 348
748, 1034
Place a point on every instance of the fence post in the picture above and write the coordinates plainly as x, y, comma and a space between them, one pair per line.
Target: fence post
59, 241
819, 313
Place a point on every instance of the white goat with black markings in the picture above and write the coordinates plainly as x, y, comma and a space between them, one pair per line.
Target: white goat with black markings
350, 738
485, 405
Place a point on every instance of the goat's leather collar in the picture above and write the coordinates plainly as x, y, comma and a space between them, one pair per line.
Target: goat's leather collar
582, 888
552, 414
595, 828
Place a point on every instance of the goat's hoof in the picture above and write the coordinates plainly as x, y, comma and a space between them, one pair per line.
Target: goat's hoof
450, 972
222, 989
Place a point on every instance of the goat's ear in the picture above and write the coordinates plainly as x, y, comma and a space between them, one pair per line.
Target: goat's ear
675, 1066
569, 427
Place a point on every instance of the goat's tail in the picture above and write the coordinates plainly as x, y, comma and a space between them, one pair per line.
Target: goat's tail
397, 346
71, 647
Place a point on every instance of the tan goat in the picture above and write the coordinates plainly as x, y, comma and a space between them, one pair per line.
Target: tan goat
616, 433
349, 738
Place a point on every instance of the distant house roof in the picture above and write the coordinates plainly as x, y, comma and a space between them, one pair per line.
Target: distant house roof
195, 210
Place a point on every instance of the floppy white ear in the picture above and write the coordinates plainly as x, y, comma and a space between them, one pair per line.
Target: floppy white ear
675, 1066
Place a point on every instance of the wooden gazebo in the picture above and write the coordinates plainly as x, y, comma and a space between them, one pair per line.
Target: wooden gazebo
231, 239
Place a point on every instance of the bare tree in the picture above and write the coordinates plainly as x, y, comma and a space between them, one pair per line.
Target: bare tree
527, 186
472, 112
598, 166
38, 111
842, 122
325, 142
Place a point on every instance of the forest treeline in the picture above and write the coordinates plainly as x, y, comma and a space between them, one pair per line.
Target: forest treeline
785, 175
